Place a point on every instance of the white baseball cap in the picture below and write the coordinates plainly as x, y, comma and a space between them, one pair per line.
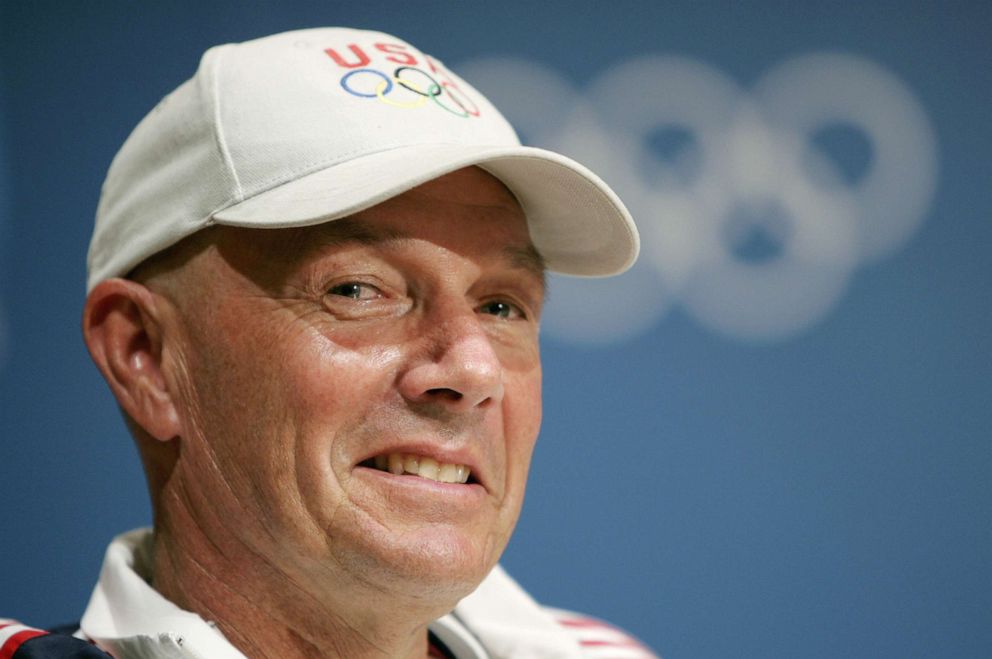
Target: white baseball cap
309, 126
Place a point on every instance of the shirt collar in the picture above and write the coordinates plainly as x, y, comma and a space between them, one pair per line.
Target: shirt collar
509, 623
132, 620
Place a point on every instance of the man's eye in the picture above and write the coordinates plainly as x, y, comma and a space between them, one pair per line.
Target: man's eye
502, 309
354, 290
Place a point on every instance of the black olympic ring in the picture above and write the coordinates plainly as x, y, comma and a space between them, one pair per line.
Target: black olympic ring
433, 90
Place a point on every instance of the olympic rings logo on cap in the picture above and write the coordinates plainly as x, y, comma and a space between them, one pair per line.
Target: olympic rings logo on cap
428, 89
409, 87
747, 223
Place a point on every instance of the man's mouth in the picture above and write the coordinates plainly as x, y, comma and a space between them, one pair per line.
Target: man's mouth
399, 464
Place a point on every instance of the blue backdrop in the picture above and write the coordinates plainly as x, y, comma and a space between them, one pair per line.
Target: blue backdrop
769, 439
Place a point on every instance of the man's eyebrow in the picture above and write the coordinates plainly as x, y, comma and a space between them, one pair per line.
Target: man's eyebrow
528, 258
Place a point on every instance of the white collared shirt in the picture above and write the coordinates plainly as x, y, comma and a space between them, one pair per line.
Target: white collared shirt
131, 620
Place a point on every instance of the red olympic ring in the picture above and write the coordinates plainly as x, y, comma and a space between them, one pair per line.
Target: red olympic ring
450, 88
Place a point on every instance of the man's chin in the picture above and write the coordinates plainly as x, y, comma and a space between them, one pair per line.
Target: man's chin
420, 541
433, 565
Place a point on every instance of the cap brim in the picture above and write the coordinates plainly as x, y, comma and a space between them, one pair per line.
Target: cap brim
576, 221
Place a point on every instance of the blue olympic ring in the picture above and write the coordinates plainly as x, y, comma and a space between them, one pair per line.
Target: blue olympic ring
347, 87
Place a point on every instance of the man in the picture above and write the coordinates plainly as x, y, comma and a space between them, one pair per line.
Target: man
315, 287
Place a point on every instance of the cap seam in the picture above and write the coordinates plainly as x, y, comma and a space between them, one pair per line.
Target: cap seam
219, 135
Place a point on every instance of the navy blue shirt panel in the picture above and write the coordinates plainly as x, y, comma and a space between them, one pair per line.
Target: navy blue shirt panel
58, 646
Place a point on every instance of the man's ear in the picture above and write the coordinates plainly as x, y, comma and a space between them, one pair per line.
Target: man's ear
121, 327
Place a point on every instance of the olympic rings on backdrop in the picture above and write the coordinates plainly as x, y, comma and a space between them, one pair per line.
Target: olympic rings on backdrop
750, 172
457, 103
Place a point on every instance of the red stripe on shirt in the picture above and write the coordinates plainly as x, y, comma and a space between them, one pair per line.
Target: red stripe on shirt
627, 641
585, 622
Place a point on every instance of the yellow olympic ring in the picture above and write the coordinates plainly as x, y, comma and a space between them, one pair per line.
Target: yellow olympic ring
381, 87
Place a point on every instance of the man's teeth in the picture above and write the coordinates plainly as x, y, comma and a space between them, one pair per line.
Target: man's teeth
399, 463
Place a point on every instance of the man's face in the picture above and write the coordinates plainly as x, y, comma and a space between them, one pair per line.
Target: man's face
317, 364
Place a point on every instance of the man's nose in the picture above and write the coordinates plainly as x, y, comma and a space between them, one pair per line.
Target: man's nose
458, 367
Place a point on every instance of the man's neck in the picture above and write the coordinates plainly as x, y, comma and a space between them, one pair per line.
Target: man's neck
265, 612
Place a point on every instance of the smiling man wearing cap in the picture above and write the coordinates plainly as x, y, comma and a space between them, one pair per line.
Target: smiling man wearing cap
315, 286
